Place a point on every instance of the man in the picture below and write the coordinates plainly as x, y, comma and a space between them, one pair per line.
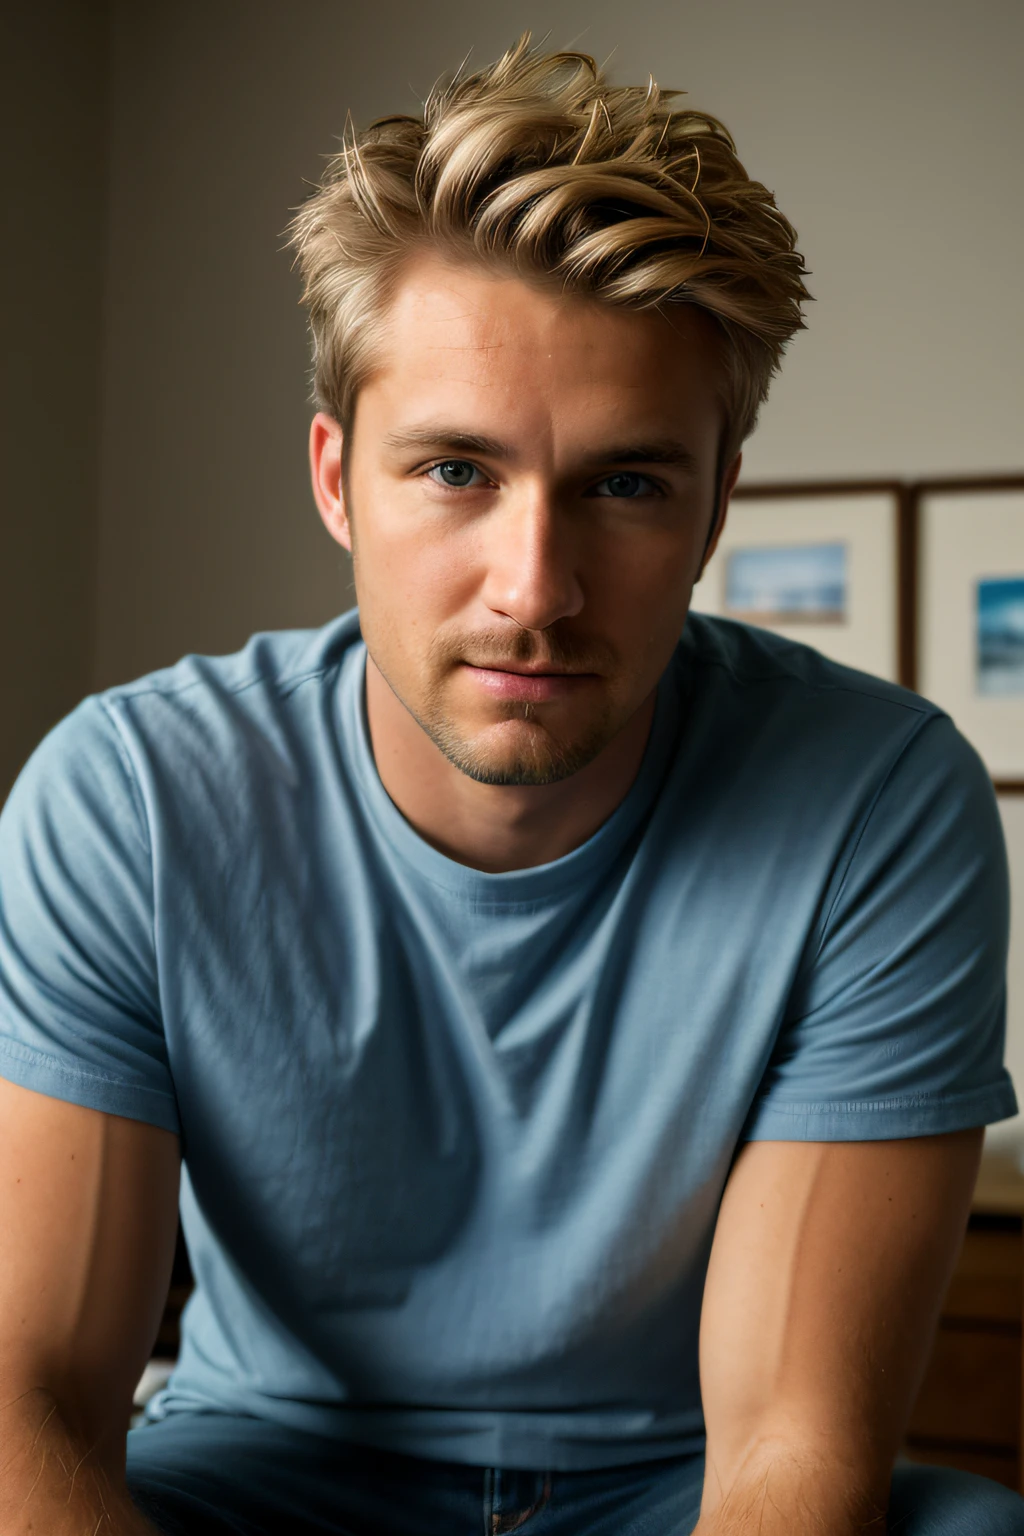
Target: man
578, 1038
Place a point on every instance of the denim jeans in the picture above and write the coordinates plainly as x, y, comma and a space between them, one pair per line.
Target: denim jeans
217, 1474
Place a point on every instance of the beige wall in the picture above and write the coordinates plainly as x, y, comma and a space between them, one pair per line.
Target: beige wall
52, 95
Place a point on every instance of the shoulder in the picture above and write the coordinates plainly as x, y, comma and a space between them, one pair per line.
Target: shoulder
746, 661
781, 725
790, 703
215, 724
220, 708
272, 663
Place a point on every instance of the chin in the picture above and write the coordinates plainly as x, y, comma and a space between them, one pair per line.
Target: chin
523, 754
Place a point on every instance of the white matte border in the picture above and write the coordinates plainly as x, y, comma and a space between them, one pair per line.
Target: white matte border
867, 523
967, 536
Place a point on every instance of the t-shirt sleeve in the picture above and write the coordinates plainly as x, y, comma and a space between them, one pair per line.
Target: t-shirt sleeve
896, 1023
79, 997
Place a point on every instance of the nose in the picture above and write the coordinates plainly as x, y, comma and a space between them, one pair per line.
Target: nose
531, 557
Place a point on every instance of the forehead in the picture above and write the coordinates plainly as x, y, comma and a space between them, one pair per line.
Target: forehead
469, 333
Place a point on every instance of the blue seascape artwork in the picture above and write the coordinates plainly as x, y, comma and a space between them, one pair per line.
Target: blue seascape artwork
1001, 636
787, 584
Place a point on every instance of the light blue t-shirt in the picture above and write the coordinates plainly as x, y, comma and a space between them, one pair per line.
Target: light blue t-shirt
455, 1142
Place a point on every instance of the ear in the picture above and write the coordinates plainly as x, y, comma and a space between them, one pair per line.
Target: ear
325, 450
729, 480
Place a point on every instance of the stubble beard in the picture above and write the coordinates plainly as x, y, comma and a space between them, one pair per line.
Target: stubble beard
539, 759
535, 755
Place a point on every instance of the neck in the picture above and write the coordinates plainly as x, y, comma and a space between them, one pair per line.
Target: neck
492, 827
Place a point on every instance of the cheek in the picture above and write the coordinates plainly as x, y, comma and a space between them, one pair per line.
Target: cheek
409, 585
646, 580
639, 601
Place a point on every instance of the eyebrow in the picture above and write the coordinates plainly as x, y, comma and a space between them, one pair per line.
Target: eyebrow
448, 440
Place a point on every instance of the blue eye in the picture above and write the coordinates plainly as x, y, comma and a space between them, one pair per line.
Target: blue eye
626, 485
460, 471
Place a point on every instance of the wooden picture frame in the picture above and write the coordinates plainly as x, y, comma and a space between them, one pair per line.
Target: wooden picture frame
968, 533
873, 521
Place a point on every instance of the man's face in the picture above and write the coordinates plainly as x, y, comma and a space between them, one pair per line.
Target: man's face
530, 488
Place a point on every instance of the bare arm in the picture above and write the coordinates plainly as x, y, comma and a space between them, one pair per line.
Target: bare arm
827, 1274
88, 1216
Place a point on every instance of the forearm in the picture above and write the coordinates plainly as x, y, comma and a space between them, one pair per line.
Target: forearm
759, 1515
782, 1492
54, 1481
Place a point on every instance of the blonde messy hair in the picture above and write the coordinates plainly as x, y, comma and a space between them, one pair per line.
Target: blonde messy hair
538, 167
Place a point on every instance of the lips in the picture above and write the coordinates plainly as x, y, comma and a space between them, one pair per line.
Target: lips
541, 669
531, 685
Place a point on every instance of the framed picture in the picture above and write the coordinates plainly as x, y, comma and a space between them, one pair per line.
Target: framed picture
828, 563
970, 611
1009, 1134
